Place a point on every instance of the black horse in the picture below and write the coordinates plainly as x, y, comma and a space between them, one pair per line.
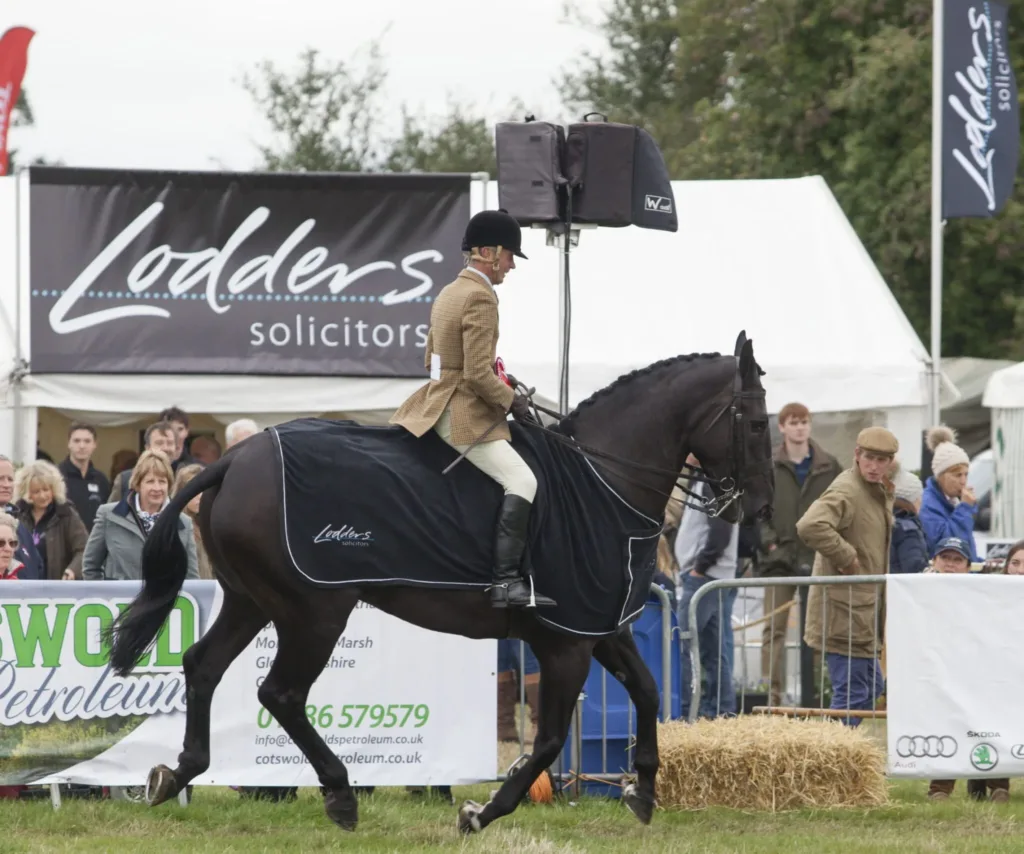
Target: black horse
710, 405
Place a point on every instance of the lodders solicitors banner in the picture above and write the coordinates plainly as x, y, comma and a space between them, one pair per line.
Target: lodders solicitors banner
955, 676
400, 705
156, 272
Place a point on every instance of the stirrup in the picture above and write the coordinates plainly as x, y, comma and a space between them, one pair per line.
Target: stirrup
500, 595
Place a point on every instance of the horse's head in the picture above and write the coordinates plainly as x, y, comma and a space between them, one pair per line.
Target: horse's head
733, 444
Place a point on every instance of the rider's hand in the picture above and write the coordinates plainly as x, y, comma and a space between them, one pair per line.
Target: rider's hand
512, 381
520, 410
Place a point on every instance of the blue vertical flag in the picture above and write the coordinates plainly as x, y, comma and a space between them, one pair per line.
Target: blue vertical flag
980, 113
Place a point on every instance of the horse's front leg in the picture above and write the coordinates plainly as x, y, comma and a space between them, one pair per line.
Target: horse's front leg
564, 664
620, 657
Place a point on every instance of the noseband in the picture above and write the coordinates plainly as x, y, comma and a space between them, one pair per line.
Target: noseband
731, 486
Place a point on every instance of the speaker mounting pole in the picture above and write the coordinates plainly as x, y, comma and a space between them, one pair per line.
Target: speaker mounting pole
556, 236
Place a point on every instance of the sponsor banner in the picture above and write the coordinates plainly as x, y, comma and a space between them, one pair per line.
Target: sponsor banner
153, 272
954, 676
400, 705
980, 112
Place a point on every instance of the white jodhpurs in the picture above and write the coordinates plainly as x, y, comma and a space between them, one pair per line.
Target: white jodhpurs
497, 459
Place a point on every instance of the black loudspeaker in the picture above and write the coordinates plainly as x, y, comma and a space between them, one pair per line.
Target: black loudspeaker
531, 179
617, 177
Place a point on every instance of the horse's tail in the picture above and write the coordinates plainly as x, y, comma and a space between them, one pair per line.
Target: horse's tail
164, 566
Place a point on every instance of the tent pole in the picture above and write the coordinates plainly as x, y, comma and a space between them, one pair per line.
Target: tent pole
935, 407
17, 449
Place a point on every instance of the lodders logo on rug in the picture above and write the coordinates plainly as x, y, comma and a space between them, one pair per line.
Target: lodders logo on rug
346, 535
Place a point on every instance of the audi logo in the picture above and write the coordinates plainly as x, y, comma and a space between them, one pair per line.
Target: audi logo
926, 746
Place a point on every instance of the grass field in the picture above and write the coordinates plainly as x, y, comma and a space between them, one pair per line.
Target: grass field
393, 821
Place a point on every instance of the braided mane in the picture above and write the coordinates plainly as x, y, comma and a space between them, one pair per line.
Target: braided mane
567, 424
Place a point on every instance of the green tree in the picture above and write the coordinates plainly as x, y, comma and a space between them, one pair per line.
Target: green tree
841, 89
320, 114
324, 117
22, 117
455, 143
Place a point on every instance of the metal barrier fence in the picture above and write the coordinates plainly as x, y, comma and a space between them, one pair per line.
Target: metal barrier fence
669, 680
690, 648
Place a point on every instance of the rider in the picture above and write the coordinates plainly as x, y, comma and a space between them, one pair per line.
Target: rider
464, 397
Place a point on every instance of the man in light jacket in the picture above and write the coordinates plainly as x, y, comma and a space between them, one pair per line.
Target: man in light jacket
850, 528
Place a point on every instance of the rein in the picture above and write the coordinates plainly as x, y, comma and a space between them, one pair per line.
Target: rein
713, 507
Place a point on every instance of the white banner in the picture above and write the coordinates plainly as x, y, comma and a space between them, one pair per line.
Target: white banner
399, 704
955, 676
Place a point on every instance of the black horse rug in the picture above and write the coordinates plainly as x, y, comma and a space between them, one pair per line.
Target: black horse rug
370, 505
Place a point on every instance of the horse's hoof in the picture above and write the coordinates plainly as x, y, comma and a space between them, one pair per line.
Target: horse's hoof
161, 785
641, 806
469, 817
341, 808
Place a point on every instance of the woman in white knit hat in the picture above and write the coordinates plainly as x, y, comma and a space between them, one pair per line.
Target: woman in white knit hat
948, 505
909, 551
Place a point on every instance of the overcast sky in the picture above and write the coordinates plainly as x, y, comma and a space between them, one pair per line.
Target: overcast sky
123, 83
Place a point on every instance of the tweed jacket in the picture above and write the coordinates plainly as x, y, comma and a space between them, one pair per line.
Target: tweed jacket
460, 355
852, 520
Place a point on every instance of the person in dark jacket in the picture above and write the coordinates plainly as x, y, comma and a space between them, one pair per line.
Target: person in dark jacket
803, 471
948, 506
909, 549
706, 549
87, 486
26, 553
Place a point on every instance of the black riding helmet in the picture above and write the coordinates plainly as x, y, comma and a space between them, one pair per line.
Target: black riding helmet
494, 228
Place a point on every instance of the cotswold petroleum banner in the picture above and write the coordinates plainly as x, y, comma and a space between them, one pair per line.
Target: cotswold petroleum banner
400, 705
154, 272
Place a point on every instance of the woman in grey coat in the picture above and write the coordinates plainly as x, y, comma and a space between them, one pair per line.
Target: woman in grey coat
114, 549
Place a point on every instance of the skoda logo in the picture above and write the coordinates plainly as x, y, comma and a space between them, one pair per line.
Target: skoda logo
984, 757
926, 746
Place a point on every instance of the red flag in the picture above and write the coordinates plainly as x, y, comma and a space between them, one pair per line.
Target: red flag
13, 60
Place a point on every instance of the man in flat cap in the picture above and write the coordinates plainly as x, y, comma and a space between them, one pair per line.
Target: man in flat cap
465, 395
850, 528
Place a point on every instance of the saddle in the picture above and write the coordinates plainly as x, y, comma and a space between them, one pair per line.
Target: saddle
369, 506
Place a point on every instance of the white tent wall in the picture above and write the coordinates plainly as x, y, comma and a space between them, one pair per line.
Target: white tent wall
1004, 395
1008, 492
17, 424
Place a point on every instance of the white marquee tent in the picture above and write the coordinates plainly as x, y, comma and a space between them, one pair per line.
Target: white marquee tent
777, 258
1004, 395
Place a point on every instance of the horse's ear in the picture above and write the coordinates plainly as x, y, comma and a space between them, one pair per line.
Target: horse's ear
740, 341
746, 356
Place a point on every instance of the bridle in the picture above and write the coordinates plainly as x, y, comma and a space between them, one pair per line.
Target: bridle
730, 487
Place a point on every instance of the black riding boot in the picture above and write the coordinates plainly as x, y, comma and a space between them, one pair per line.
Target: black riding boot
509, 588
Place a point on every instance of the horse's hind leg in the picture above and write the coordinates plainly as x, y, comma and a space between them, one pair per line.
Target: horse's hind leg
564, 665
303, 649
204, 664
620, 657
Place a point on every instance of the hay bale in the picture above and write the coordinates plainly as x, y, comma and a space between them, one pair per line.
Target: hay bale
760, 762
